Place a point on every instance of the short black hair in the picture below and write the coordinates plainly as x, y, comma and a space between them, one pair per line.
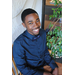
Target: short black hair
27, 12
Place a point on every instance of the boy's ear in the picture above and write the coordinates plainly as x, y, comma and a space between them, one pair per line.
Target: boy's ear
24, 25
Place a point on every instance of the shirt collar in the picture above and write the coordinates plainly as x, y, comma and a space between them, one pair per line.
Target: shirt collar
26, 33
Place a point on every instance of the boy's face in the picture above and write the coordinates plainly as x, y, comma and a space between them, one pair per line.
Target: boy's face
32, 23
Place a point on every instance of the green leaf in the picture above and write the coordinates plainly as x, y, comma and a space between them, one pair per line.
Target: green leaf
58, 12
58, 54
50, 40
60, 2
54, 12
59, 42
59, 16
53, 9
47, 44
52, 49
50, 32
53, 32
55, 2
57, 33
50, 25
47, 37
50, 17
60, 50
60, 32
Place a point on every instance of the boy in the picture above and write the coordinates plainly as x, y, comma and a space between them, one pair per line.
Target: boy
29, 49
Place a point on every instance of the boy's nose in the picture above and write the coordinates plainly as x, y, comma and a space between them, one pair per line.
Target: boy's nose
36, 25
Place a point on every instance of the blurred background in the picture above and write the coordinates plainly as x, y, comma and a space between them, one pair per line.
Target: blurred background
17, 7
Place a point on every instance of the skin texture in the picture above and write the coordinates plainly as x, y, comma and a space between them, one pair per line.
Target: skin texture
48, 69
32, 24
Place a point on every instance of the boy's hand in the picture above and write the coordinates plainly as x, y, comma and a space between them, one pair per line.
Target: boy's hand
47, 68
55, 71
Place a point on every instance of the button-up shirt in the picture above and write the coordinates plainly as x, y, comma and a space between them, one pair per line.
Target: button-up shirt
31, 55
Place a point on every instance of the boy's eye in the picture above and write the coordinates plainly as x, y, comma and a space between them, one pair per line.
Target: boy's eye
37, 20
30, 23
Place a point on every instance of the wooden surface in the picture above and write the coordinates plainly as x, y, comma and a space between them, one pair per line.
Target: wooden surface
14, 65
48, 2
60, 68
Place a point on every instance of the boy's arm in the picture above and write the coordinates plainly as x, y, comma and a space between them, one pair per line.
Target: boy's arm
49, 60
19, 57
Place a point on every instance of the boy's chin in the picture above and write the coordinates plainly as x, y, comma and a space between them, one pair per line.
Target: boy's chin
36, 34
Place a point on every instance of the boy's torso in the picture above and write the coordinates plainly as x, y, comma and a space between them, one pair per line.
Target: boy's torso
33, 50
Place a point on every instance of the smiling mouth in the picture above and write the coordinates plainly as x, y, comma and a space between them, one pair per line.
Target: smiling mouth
36, 30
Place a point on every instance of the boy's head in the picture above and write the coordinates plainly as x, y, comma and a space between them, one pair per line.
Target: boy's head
31, 21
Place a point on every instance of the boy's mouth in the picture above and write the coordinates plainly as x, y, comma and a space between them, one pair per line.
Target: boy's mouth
36, 30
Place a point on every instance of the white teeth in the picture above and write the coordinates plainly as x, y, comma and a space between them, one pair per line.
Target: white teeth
35, 30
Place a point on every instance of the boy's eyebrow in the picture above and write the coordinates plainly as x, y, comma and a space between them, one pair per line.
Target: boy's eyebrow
37, 19
29, 21
32, 21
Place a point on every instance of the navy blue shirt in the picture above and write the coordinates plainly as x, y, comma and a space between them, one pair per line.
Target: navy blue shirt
31, 55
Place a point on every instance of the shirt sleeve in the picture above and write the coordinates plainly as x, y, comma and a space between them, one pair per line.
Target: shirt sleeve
20, 60
49, 59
